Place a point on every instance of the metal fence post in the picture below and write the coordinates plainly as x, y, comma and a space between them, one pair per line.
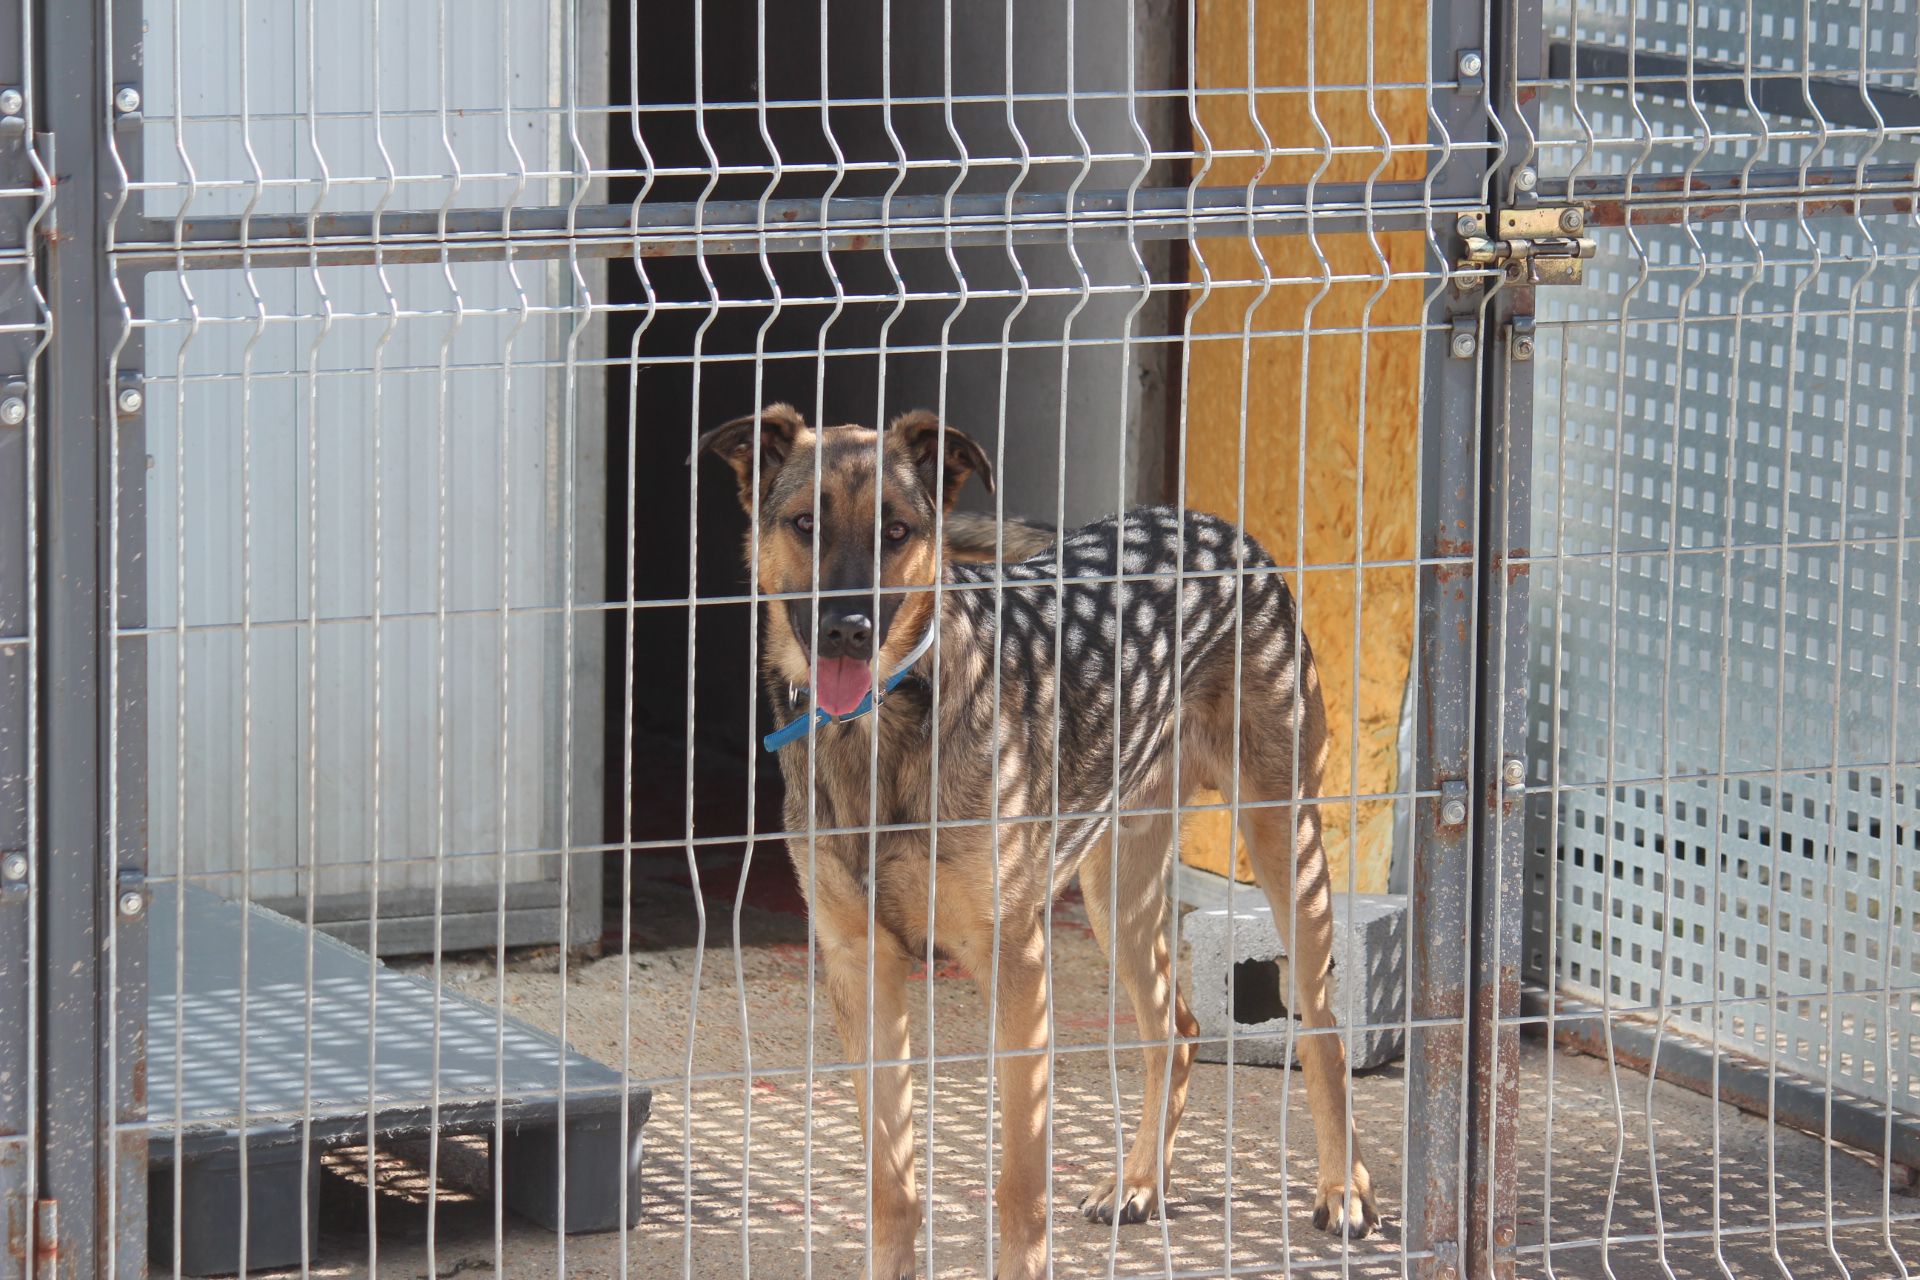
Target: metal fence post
92, 905
1500, 659
22, 332
1441, 865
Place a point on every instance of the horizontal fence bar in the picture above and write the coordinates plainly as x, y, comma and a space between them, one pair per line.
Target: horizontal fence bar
779, 226
922, 222
1838, 191
1774, 90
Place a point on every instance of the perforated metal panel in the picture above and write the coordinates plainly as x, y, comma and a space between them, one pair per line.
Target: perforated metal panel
1724, 641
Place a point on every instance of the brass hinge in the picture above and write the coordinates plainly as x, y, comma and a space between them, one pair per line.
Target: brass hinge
1542, 245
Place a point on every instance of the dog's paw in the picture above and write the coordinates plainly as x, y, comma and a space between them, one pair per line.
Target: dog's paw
1345, 1210
1133, 1201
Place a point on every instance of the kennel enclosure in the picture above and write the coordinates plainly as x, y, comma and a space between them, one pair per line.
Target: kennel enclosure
1562, 353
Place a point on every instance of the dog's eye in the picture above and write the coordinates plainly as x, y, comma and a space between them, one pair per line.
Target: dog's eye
803, 524
897, 531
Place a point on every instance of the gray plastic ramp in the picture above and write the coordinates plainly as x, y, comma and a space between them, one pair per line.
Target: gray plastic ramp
365, 1071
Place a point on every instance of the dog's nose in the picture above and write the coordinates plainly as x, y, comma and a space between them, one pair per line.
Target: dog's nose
847, 635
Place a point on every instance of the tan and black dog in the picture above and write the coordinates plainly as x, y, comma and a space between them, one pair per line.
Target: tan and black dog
1039, 682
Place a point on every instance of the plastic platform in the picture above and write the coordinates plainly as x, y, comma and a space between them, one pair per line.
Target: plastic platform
369, 1074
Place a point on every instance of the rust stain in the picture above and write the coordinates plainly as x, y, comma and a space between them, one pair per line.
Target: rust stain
1619, 213
46, 1242
1492, 1200
1457, 575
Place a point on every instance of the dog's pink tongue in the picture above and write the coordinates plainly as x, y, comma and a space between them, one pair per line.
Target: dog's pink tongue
840, 684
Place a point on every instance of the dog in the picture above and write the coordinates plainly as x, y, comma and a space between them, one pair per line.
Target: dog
1030, 672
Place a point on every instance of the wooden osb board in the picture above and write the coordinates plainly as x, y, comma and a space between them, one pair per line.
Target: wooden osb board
1256, 383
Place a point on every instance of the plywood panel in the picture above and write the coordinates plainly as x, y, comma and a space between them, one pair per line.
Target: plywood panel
1335, 312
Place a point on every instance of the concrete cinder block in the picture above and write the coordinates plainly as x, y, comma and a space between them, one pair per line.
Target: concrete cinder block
1251, 995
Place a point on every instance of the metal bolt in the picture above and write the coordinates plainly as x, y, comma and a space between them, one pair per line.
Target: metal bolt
1513, 770
1526, 179
14, 867
13, 411
132, 903
1464, 345
130, 400
1468, 225
1503, 1237
11, 103
1453, 812
1470, 64
126, 99
1444, 1273
1571, 220
1523, 348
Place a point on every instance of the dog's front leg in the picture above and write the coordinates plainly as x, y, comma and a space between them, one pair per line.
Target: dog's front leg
886, 1115
1021, 1023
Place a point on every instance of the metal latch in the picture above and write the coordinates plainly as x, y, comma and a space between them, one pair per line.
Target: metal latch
1541, 245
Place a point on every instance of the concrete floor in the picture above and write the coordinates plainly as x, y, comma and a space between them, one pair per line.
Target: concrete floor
1240, 1191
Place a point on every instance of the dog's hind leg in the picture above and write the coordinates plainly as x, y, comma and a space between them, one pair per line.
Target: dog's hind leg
1124, 883
1284, 841
886, 1117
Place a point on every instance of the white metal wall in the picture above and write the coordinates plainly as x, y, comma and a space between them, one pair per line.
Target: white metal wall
304, 478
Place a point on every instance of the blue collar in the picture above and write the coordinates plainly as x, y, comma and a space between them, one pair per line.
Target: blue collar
794, 729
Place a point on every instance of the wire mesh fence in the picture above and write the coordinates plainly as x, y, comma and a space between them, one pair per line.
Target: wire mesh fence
462, 824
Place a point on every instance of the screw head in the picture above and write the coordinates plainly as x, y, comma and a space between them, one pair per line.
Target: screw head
1513, 770
1527, 179
126, 99
13, 411
1470, 64
11, 103
130, 400
132, 903
1523, 348
1453, 812
1464, 345
14, 867
1571, 220
1467, 225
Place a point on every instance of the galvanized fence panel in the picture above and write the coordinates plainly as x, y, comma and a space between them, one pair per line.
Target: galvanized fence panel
1722, 812
360, 306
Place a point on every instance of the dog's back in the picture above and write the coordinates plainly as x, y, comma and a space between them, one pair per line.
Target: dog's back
976, 538
1142, 625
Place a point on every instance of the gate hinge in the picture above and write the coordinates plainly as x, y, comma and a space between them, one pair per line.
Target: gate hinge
1541, 245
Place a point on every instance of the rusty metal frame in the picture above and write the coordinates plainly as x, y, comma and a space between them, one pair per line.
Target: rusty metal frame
1442, 878
1500, 661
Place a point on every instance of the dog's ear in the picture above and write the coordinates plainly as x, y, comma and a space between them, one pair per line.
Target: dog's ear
925, 439
771, 433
